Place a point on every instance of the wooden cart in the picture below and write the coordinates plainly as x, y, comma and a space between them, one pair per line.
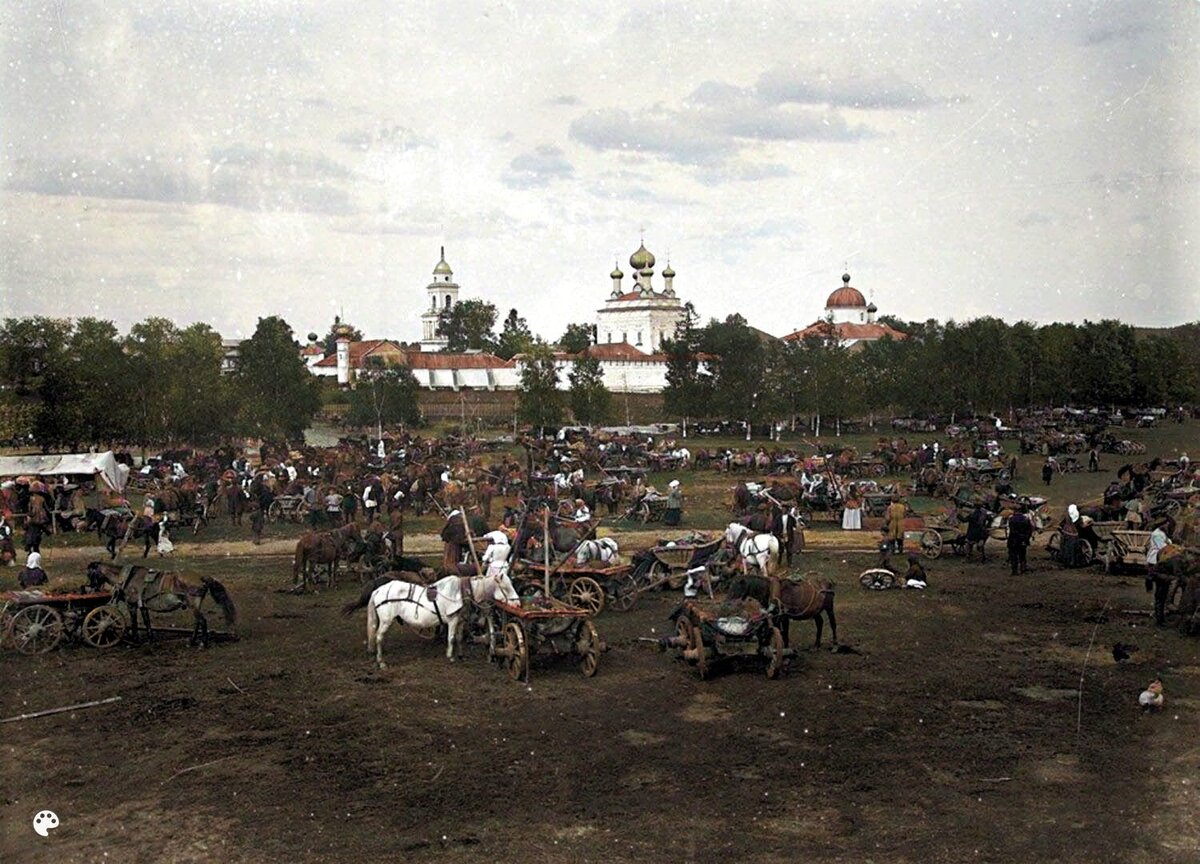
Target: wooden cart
542, 625
585, 586
706, 632
35, 622
1127, 548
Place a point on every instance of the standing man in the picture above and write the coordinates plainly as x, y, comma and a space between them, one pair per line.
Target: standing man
1093, 460
1047, 471
896, 512
1155, 544
1020, 533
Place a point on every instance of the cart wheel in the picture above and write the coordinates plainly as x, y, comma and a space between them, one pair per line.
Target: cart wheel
701, 657
683, 631
877, 579
36, 629
643, 513
103, 627
516, 652
587, 645
879, 470
1086, 552
1172, 507
1055, 541
585, 592
625, 593
274, 511
931, 544
775, 666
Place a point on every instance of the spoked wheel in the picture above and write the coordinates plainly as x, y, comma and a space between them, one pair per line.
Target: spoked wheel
274, 511
877, 579
587, 645
931, 544
643, 513
775, 666
584, 592
1086, 552
625, 593
683, 631
103, 627
516, 652
36, 629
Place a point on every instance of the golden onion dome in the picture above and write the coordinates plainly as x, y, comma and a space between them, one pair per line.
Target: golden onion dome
642, 259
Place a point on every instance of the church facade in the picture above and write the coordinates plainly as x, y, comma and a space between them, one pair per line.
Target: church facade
642, 317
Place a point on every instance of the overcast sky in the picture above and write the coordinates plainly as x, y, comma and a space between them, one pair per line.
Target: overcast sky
220, 161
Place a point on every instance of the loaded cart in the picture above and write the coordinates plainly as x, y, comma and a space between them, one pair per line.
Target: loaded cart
706, 632
542, 624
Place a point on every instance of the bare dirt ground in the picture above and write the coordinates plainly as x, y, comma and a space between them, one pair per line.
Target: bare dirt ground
953, 732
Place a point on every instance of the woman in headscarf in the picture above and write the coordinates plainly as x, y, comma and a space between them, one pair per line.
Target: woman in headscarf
32, 573
674, 511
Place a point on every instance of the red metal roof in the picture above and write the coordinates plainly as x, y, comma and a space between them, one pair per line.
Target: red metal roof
845, 297
437, 360
361, 350
847, 332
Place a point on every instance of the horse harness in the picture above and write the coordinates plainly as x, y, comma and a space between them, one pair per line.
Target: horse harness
430, 594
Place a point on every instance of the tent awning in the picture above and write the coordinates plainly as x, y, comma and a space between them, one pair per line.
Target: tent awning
105, 464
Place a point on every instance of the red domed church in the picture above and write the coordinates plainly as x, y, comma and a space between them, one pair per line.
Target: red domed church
849, 319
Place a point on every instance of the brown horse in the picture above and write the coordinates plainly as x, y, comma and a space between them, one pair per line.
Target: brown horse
144, 591
315, 548
798, 601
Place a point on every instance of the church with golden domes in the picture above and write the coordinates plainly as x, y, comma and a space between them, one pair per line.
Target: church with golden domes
641, 316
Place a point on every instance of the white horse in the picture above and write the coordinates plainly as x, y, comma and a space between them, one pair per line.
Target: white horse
603, 550
762, 549
428, 606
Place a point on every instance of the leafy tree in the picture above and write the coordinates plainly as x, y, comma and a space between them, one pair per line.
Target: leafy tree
515, 336
329, 343
737, 368
539, 403
385, 396
149, 349
277, 395
102, 369
201, 396
28, 348
688, 389
591, 402
576, 339
1161, 377
467, 326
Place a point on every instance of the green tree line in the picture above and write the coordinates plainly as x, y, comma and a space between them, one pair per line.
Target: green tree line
728, 370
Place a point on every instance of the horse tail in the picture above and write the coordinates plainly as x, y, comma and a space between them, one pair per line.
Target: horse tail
365, 597
222, 598
299, 559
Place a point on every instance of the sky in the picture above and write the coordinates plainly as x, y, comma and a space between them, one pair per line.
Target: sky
216, 161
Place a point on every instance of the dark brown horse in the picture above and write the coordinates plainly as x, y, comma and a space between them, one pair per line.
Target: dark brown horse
315, 548
144, 591
798, 601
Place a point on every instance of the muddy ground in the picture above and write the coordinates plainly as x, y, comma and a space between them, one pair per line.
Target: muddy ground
953, 731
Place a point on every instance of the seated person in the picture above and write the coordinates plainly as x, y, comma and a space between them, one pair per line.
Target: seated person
32, 574
915, 577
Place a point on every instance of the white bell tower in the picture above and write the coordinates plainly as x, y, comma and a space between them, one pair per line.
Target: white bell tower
440, 294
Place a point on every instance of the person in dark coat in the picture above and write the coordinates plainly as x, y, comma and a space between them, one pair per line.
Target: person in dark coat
978, 524
1020, 533
32, 574
1047, 472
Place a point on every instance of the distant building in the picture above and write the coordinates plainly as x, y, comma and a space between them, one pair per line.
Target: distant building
641, 317
230, 354
442, 294
849, 319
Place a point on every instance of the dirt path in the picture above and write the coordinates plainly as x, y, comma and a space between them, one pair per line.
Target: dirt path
950, 732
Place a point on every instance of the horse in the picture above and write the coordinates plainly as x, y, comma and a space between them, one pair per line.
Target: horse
763, 549
426, 607
144, 591
315, 548
798, 601
603, 550
780, 522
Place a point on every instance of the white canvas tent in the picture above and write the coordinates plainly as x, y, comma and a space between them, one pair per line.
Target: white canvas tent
112, 472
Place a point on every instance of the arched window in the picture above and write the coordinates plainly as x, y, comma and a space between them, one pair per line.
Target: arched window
624, 335
433, 304
447, 301
610, 337
639, 337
